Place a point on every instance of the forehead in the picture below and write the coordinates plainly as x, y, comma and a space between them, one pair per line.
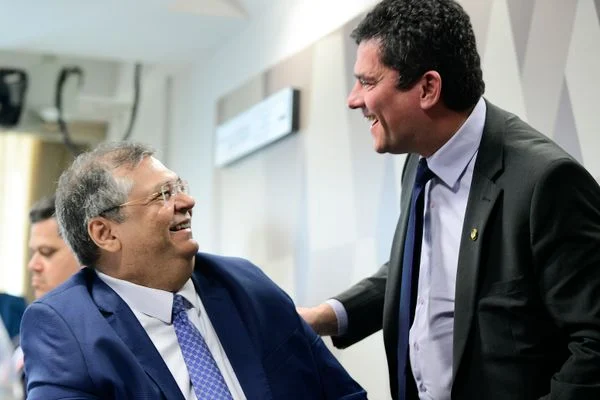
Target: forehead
149, 174
368, 58
45, 231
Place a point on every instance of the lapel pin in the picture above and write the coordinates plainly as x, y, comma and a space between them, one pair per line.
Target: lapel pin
474, 234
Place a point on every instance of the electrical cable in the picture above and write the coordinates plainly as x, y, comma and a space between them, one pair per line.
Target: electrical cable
137, 76
64, 74
67, 72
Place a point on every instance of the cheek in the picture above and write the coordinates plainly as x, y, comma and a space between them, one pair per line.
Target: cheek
53, 270
372, 102
164, 217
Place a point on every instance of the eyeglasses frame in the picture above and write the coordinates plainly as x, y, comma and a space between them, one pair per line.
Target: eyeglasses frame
181, 185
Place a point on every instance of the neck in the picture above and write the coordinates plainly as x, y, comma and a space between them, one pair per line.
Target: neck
169, 277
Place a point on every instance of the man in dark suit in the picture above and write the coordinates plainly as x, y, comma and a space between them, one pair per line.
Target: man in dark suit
493, 279
152, 318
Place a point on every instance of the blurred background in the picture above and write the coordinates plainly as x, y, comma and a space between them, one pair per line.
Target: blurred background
315, 210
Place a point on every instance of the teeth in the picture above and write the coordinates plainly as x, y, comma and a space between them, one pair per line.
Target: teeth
371, 118
181, 226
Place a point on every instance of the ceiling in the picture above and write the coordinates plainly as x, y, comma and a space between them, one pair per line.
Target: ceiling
150, 31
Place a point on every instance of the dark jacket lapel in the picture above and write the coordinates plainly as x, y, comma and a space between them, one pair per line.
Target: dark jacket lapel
123, 321
482, 198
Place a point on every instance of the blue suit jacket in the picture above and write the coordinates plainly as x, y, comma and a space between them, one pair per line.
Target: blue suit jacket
82, 341
11, 311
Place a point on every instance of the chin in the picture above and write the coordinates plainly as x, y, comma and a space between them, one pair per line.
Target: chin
190, 249
195, 246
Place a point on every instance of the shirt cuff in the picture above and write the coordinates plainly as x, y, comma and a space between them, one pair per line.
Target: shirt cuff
341, 315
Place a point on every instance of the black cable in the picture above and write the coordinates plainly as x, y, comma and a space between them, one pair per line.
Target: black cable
136, 98
64, 74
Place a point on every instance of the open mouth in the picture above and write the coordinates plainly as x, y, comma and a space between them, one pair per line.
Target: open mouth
181, 226
372, 119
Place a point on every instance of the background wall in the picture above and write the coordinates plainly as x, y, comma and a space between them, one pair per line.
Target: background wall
316, 211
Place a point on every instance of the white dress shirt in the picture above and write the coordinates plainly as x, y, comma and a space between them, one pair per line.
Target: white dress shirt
446, 196
152, 308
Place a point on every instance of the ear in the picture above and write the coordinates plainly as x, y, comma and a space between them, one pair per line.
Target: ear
431, 89
102, 231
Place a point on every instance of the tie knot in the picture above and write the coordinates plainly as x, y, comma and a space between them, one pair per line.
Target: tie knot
424, 174
180, 304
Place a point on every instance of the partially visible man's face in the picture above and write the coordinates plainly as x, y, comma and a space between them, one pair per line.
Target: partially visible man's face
52, 261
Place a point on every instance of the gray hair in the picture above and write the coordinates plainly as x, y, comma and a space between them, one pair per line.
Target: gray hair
88, 189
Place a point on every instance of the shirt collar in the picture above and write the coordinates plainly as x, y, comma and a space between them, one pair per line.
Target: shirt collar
451, 160
136, 297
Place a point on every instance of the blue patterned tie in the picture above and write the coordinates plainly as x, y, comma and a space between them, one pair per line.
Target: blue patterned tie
206, 378
410, 262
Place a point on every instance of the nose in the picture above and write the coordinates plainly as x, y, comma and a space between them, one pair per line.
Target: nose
354, 97
35, 264
184, 202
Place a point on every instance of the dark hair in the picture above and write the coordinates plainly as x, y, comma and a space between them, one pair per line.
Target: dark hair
417, 36
43, 209
88, 188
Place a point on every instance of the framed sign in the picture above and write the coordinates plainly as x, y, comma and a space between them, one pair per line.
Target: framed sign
266, 122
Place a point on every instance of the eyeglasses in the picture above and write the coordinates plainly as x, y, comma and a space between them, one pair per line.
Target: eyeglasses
167, 191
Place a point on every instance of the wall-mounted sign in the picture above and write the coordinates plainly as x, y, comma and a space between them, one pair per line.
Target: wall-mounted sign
265, 122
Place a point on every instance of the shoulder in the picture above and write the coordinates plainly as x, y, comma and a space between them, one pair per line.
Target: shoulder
523, 150
70, 298
243, 280
234, 268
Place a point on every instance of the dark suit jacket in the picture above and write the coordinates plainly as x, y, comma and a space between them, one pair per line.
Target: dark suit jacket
82, 341
527, 306
11, 312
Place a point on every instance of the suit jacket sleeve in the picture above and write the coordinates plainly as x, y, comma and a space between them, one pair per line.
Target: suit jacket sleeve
54, 364
565, 240
364, 305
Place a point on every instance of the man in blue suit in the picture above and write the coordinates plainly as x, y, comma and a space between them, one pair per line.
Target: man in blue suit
152, 318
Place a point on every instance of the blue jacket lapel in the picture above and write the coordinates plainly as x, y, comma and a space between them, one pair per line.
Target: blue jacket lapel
126, 325
233, 335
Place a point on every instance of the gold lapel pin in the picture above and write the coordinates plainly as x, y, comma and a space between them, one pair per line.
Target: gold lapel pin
474, 234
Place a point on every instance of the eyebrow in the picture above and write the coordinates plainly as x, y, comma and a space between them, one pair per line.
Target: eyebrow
159, 185
375, 79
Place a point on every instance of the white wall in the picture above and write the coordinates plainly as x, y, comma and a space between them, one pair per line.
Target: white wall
287, 27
